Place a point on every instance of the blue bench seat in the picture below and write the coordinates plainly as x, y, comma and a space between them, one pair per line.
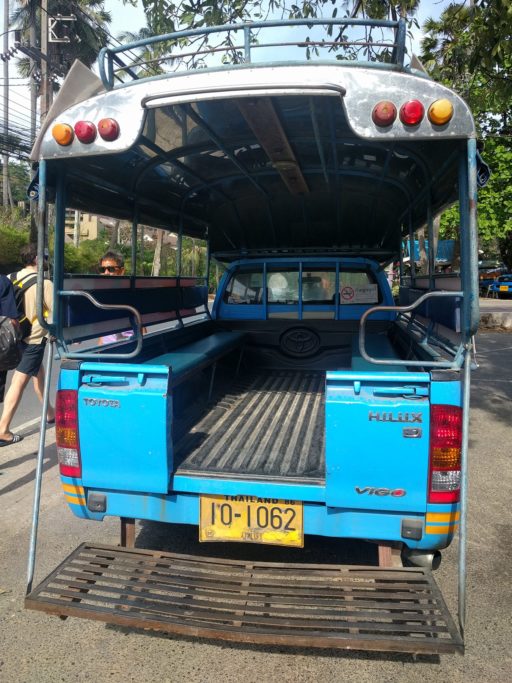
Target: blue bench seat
377, 346
190, 358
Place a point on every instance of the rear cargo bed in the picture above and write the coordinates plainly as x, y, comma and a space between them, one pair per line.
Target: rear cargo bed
271, 425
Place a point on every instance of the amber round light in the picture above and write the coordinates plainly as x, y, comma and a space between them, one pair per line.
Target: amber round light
63, 134
108, 129
440, 112
384, 113
412, 112
85, 131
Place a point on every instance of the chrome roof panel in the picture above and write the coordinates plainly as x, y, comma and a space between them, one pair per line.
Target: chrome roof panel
360, 88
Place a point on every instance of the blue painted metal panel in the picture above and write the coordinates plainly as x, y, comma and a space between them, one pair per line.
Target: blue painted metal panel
448, 393
125, 428
373, 461
248, 487
319, 519
69, 379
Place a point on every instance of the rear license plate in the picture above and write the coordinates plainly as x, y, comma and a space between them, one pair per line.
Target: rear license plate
503, 288
251, 520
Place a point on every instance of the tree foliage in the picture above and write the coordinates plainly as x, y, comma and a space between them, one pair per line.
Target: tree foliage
167, 16
13, 236
469, 49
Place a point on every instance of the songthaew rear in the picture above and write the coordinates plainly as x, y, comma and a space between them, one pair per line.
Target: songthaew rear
324, 390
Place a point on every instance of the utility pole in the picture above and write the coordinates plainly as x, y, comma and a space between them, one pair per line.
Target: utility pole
33, 124
5, 156
46, 86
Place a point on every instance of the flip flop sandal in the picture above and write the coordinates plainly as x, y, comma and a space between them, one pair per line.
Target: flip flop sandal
16, 438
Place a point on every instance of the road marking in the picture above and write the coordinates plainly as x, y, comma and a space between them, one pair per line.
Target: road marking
28, 424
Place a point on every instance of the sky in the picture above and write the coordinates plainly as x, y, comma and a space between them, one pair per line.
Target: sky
126, 18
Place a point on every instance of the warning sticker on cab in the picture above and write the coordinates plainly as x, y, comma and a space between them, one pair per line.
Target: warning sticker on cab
358, 294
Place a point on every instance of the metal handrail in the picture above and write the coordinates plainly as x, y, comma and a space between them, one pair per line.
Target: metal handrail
459, 355
108, 356
110, 56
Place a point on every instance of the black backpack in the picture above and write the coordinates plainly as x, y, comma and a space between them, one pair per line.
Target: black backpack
20, 287
10, 344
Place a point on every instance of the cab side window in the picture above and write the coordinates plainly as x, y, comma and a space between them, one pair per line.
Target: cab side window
245, 287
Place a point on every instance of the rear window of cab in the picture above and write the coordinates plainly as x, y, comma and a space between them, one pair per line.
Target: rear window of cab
318, 286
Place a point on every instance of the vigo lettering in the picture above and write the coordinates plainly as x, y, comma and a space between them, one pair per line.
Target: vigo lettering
102, 402
389, 417
373, 491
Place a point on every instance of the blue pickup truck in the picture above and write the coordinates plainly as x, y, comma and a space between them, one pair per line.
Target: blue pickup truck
307, 399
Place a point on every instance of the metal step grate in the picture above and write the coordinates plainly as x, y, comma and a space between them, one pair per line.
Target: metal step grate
328, 606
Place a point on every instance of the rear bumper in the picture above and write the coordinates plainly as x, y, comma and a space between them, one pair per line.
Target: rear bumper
438, 525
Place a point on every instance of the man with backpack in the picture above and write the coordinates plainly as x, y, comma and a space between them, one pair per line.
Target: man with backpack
33, 341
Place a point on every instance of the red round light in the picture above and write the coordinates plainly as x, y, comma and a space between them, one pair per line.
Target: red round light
384, 113
412, 112
108, 129
85, 131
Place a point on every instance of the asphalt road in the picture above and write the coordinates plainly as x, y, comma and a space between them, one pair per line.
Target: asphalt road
35, 648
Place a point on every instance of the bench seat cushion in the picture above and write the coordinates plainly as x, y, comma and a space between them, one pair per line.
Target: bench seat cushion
377, 346
189, 357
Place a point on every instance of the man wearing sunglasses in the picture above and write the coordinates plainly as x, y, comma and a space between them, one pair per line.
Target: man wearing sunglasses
111, 263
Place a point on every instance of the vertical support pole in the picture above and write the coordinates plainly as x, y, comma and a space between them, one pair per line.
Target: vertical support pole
247, 44
134, 244
39, 472
265, 292
463, 491
180, 246
401, 35
300, 291
470, 317
76, 228
5, 156
127, 532
337, 309
469, 240
142, 250
42, 233
412, 252
58, 252
431, 246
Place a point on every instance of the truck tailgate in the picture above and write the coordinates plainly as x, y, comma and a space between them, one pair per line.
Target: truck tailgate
377, 440
124, 423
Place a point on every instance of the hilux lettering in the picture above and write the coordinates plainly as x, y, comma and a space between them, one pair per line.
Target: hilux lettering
102, 402
399, 417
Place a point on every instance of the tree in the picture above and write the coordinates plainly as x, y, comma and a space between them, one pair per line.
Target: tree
469, 49
165, 16
19, 178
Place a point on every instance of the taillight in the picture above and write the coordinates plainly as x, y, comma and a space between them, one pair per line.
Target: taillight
63, 134
66, 420
411, 113
445, 453
85, 131
384, 113
440, 112
108, 129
